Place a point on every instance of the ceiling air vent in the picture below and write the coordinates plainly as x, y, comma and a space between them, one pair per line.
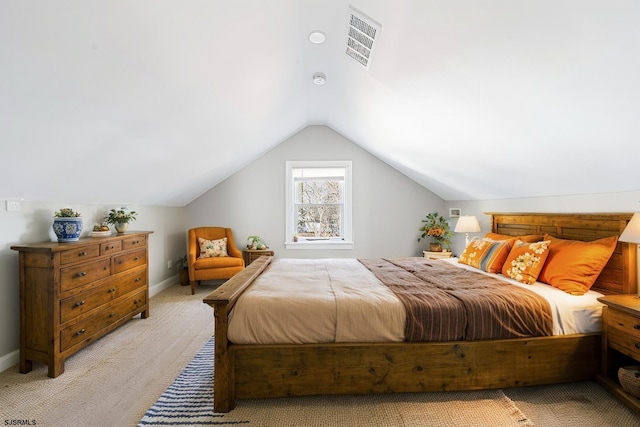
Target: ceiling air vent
362, 33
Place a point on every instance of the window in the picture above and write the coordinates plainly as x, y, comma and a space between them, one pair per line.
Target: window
318, 198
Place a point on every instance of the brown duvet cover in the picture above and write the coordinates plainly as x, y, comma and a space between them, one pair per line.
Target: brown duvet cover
446, 303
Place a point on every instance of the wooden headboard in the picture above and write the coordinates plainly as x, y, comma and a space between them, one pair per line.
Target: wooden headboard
620, 275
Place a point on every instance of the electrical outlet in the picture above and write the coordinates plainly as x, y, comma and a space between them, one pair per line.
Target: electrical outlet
13, 206
169, 264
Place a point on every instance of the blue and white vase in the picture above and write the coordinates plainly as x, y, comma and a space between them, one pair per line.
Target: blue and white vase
67, 229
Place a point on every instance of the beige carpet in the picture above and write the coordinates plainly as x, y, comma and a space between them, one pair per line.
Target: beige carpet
115, 380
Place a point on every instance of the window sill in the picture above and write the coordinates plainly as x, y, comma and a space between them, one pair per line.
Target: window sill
324, 245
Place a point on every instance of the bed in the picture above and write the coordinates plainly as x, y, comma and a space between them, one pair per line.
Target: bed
272, 370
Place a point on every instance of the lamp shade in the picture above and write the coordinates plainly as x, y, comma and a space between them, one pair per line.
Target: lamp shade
631, 233
467, 224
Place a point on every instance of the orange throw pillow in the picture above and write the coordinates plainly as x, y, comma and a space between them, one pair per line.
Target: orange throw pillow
573, 265
486, 255
525, 261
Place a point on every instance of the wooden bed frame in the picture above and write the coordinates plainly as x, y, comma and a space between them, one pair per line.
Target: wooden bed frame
260, 371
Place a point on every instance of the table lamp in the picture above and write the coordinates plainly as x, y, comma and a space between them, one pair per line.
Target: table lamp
467, 224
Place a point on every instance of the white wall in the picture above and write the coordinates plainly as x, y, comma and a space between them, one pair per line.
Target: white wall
387, 206
33, 223
606, 202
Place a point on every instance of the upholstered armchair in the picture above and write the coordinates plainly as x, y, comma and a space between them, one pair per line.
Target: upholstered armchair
212, 264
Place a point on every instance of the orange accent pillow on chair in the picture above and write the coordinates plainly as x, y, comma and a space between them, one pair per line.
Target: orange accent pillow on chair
573, 265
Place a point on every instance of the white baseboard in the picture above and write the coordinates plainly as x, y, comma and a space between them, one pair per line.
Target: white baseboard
159, 287
10, 359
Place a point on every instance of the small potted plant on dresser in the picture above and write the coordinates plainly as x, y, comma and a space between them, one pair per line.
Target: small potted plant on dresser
67, 225
436, 228
182, 265
120, 219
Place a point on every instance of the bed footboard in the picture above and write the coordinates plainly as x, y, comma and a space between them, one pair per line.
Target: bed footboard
297, 370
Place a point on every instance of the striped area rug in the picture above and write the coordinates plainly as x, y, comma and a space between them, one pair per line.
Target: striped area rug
188, 401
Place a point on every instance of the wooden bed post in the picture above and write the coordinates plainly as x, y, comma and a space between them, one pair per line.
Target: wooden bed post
223, 381
222, 301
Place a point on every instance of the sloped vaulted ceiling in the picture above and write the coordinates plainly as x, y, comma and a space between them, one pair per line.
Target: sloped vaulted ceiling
156, 101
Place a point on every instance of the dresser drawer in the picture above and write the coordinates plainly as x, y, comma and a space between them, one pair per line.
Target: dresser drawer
108, 248
84, 330
72, 277
134, 242
623, 322
129, 260
80, 254
72, 307
624, 343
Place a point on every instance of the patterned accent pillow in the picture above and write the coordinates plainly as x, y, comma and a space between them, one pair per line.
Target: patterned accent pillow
525, 261
486, 255
212, 248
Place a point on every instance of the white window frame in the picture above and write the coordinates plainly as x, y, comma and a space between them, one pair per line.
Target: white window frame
347, 241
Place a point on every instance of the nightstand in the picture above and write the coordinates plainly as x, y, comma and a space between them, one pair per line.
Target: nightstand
251, 255
620, 343
437, 255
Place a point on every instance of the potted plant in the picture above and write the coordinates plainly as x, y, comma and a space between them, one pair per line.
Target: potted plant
436, 228
182, 265
67, 225
256, 242
120, 218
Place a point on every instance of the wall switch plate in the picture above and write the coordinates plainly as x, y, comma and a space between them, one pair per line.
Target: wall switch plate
169, 264
13, 206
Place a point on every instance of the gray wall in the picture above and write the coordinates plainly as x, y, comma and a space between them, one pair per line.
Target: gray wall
387, 206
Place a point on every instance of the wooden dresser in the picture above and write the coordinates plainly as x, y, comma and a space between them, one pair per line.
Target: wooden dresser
71, 294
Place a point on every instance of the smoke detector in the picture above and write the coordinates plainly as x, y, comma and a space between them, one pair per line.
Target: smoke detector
362, 33
319, 79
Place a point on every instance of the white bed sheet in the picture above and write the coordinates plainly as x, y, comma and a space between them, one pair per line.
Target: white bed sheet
339, 300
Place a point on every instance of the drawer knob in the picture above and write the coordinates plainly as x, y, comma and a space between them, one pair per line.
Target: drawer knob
81, 274
636, 326
112, 290
79, 303
138, 279
83, 253
637, 345
136, 258
80, 332
112, 315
